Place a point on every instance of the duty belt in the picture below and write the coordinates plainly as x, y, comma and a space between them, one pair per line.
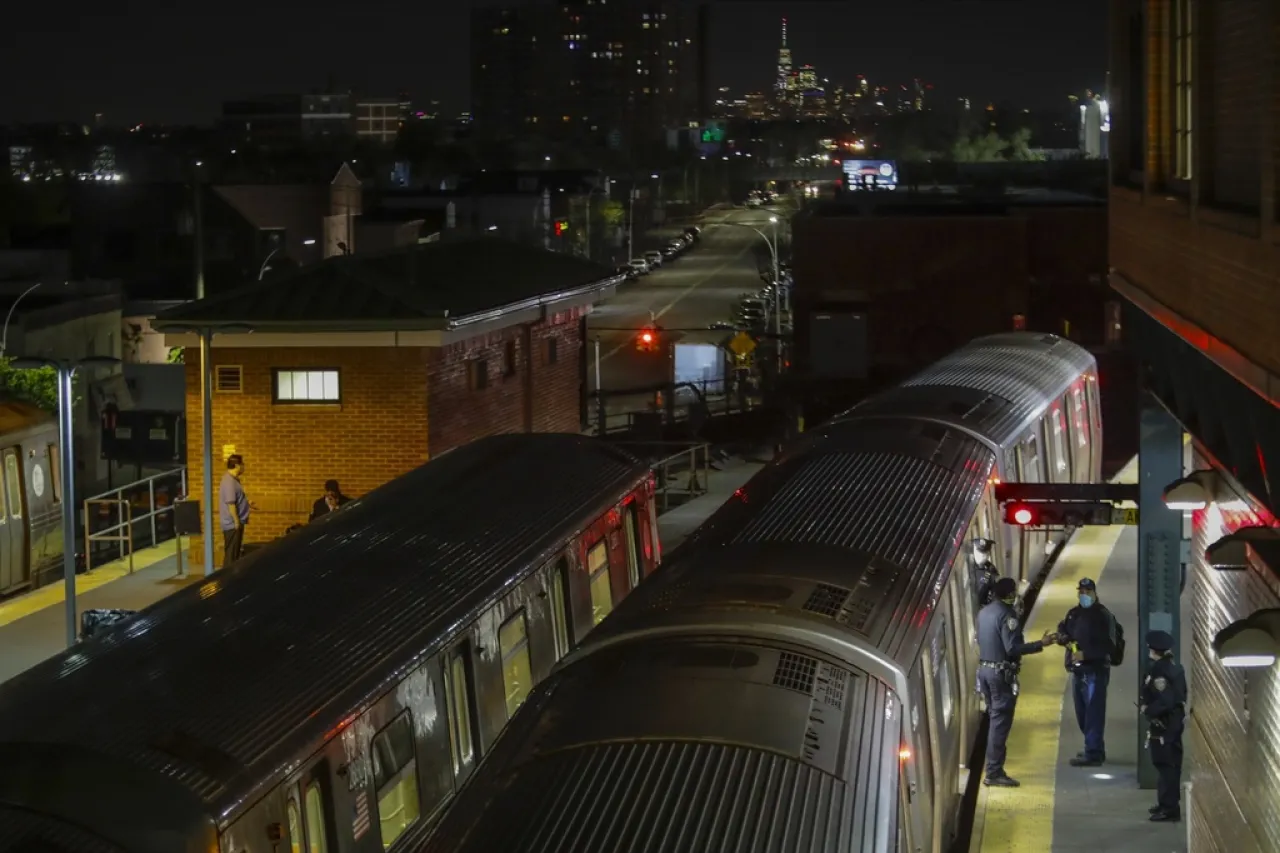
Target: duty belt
993, 664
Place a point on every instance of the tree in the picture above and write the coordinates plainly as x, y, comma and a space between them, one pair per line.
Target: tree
1020, 147
979, 149
39, 387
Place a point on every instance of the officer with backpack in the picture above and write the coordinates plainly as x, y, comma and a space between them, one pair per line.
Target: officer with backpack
1095, 643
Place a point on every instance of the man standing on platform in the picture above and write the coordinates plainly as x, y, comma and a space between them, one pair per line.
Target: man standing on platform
1164, 698
1001, 647
1095, 642
234, 506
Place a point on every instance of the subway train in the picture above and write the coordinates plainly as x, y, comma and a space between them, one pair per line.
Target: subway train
800, 674
330, 692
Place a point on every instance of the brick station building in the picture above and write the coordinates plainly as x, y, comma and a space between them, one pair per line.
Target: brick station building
361, 368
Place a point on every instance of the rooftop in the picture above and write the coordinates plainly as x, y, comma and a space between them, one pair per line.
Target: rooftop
427, 286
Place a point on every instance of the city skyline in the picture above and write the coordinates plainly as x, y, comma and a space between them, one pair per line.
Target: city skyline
144, 68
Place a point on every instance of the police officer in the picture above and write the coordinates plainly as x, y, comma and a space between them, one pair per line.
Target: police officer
1164, 697
1000, 650
1092, 635
984, 571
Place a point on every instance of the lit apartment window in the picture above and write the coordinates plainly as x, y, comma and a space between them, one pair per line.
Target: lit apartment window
1184, 91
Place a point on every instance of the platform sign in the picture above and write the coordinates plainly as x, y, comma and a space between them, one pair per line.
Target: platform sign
742, 345
1124, 515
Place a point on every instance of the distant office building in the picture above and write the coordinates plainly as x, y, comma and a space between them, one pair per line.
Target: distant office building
1095, 126
289, 119
588, 72
379, 119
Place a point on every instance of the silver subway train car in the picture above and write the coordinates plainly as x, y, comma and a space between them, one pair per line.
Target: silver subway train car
330, 692
799, 676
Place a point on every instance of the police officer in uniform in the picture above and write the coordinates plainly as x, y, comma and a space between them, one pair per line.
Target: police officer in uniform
984, 571
1164, 697
1001, 647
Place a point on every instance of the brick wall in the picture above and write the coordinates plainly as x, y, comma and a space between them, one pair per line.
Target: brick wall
378, 432
540, 395
1225, 281
930, 283
1209, 251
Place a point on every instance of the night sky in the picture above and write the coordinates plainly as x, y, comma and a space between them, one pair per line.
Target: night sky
176, 62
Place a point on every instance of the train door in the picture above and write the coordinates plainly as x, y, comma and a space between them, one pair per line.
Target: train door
310, 821
1081, 442
942, 710
631, 532
1030, 470
1058, 459
15, 505
1095, 424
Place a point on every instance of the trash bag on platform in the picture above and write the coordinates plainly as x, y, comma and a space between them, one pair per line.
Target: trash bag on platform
93, 622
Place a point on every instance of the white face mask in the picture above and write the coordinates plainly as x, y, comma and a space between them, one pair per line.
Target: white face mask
980, 556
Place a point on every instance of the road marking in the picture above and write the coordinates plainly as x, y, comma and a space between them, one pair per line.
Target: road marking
699, 283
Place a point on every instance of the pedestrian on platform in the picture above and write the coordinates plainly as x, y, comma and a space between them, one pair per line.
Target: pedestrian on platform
1164, 698
331, 501
234, 507
1001, 648
1095, 642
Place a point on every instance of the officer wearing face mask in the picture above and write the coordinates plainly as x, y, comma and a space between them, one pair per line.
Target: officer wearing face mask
1095, 643
1164, 698
983, 570
1001, 647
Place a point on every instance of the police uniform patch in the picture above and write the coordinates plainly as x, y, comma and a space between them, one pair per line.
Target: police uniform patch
1011, 623
1160, 684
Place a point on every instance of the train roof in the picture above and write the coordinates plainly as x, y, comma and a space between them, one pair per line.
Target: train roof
220, 684
995, 386
858, 524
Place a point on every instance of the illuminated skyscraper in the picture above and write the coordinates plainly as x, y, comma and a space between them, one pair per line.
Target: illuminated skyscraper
784, 63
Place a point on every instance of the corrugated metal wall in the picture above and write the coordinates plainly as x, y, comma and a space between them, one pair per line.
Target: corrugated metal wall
1233, 736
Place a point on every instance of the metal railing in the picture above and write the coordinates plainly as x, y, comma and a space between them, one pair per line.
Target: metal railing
136, 515
681, 474
625, 410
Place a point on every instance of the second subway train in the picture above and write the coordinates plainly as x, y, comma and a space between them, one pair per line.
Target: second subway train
800, 676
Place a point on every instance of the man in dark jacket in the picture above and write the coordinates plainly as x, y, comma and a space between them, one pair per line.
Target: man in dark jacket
1091, 634
331, 501
983, 570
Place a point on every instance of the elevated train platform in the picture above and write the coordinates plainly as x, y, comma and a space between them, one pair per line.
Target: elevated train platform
1060, 808
33, 625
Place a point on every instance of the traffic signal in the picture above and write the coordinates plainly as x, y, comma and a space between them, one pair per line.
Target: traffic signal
647, 339
1058, 513
561, 227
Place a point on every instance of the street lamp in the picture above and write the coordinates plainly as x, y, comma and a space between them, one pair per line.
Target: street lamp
66, 369
206, 421
263, 269
777, 284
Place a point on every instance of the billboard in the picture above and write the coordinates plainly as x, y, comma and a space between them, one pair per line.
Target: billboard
871, 174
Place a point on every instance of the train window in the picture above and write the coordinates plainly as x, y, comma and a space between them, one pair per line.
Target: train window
55, 473
1029, 460
317, 837
601, 582
633, 554
517, 669
295, 827
560, 620
460, 711
13, 480
395, 775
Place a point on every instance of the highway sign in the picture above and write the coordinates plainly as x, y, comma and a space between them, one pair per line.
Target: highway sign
1124, 515
742, 344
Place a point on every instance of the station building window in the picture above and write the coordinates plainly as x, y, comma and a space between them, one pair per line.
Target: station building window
294, 385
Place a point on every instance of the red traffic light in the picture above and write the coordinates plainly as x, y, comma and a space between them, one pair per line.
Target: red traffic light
1019, 514
647, 340
1022, 515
